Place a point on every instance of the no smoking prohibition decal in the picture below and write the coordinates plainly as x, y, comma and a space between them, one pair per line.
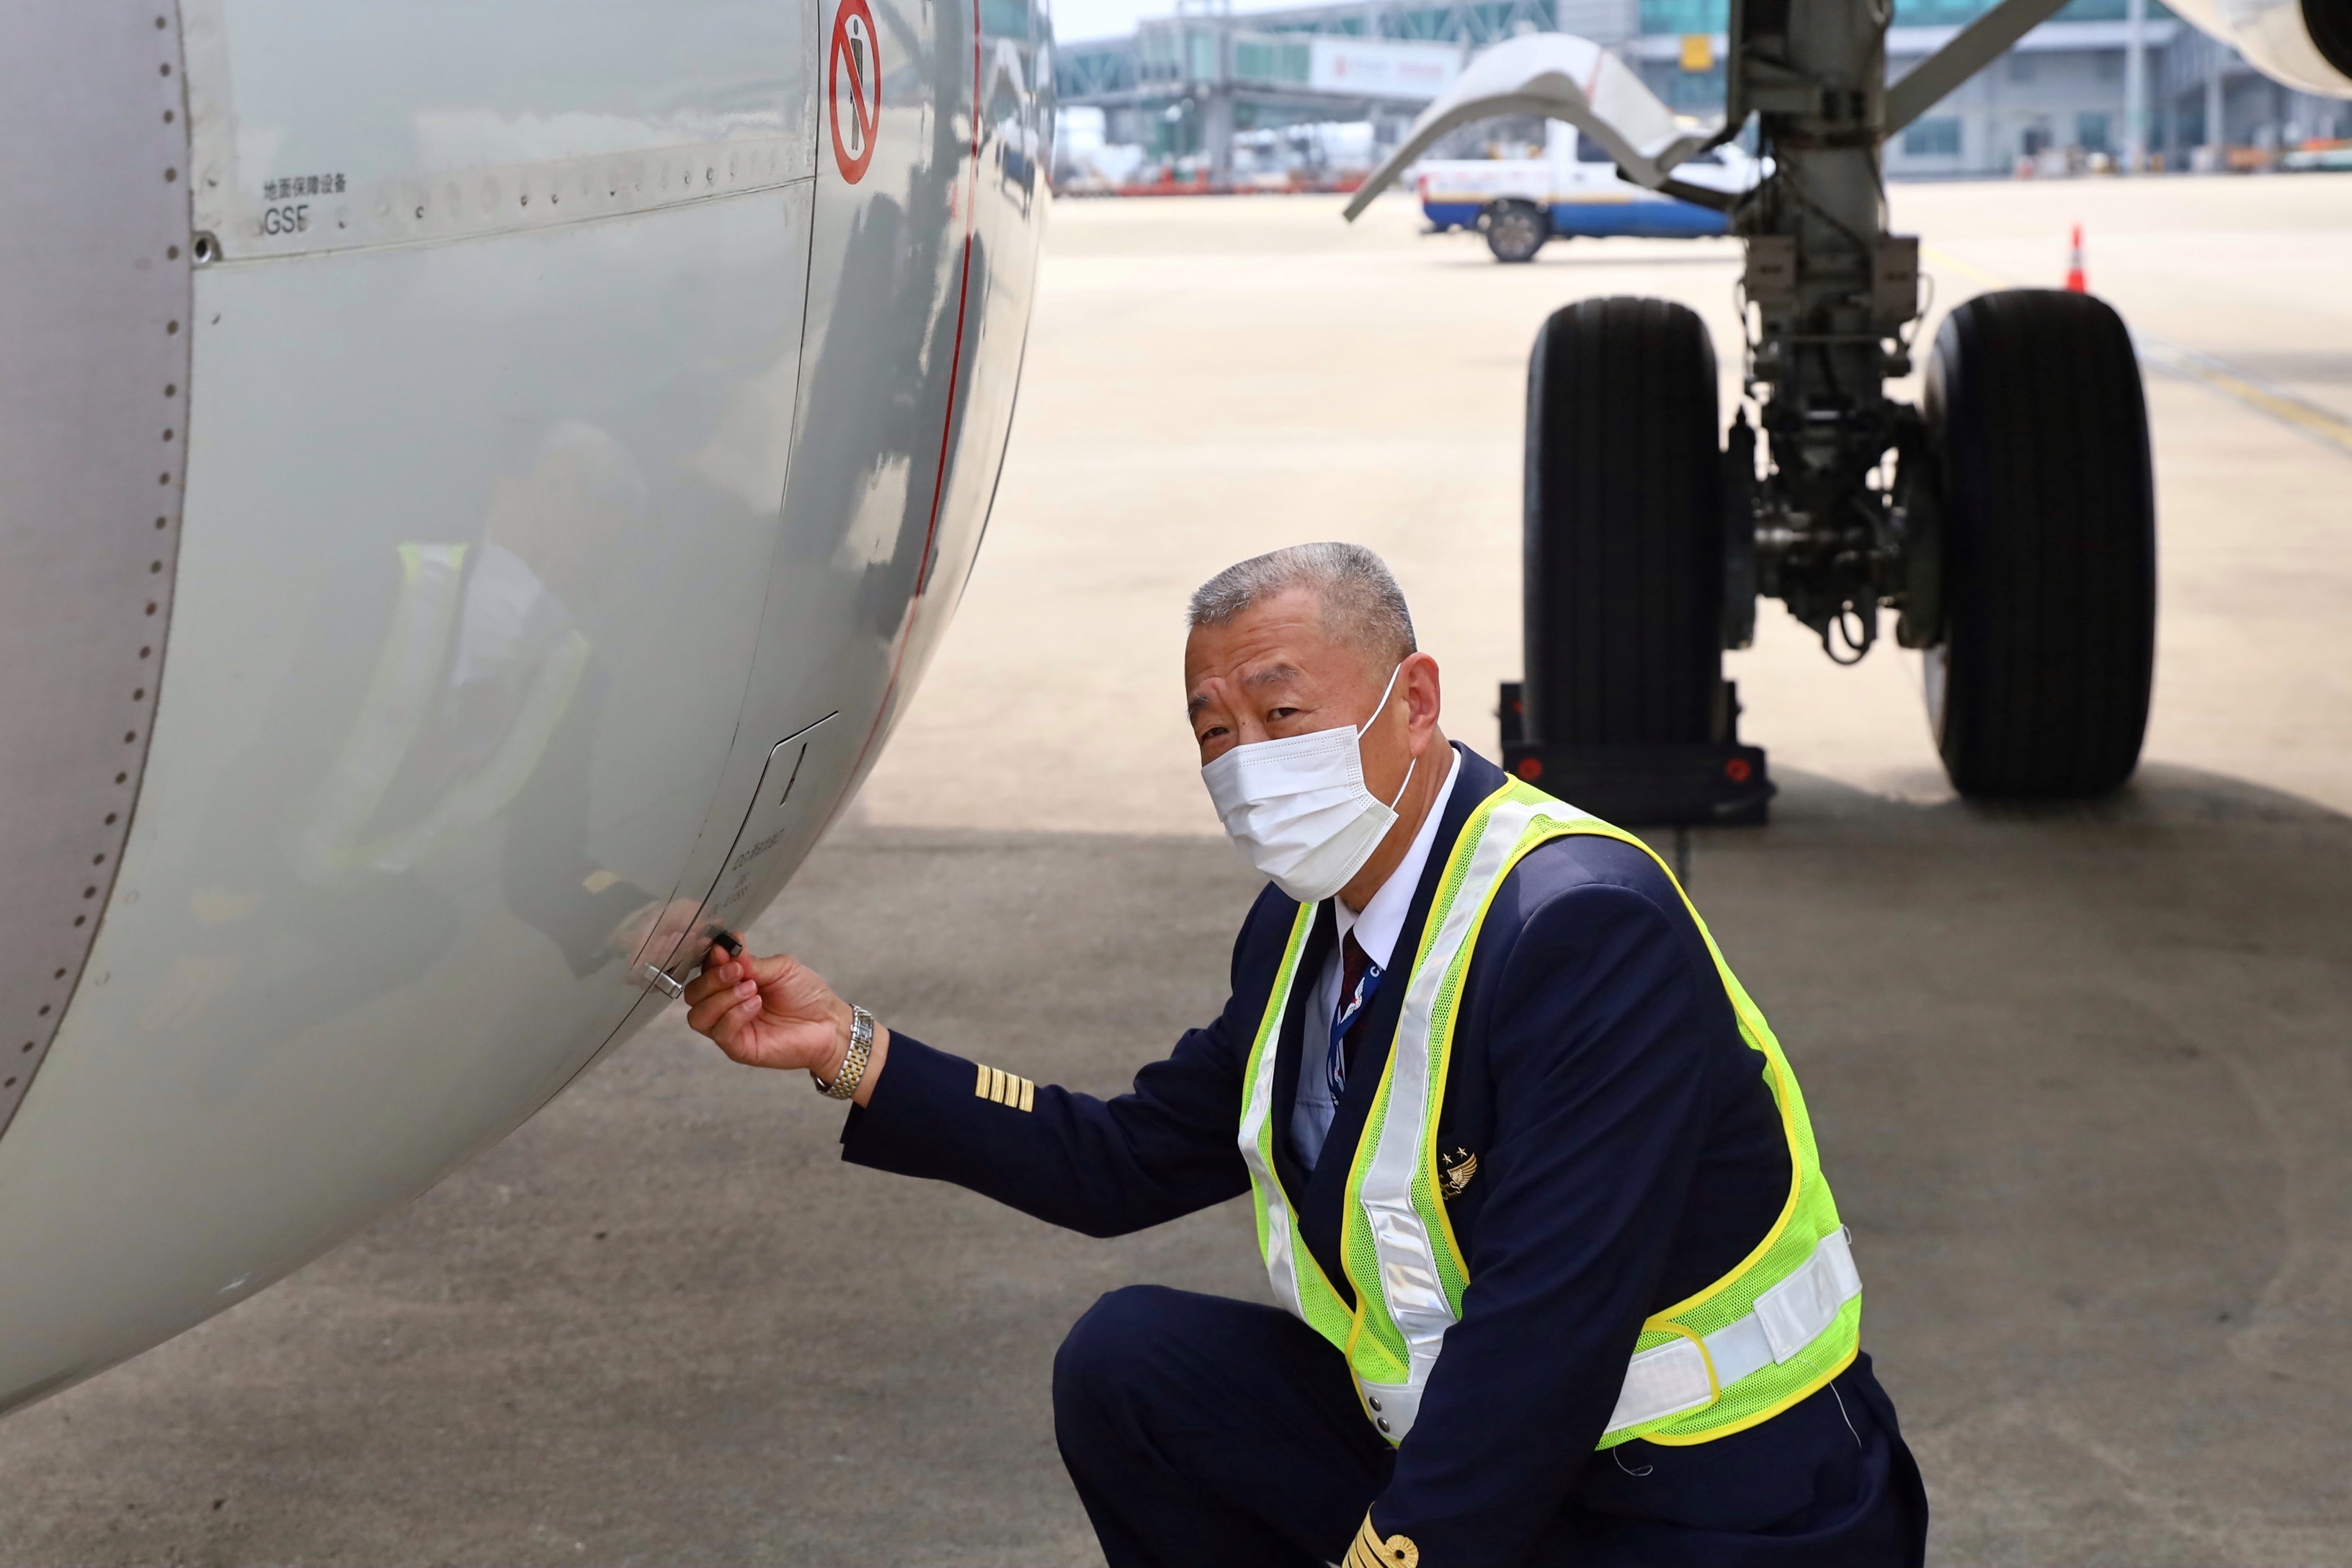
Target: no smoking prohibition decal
853, 72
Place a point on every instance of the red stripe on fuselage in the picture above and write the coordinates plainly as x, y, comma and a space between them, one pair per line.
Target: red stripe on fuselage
947, 423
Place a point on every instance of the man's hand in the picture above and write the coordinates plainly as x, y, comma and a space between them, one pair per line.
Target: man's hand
776, 1013
650, 933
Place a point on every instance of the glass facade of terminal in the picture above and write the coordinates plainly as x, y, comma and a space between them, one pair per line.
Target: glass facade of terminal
1712, 16
2054, 104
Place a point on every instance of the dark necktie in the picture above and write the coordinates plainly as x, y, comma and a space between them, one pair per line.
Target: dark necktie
1359, 977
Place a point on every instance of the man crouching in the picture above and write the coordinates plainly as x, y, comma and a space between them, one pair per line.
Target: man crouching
1559, 1278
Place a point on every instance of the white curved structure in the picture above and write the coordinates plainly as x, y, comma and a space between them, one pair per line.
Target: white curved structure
2306, 44
473, 475
1557, 76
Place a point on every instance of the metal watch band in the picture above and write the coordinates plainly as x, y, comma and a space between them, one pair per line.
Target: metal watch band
852, 1065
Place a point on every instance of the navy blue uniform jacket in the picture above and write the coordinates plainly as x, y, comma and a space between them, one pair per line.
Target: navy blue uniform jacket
1629, 1154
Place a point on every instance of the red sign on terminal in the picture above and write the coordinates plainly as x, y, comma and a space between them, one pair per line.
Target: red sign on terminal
854, 71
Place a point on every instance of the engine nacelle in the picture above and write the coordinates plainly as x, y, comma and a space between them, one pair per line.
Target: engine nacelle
2306, 44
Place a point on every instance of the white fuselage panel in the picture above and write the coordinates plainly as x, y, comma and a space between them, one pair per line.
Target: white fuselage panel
590, 433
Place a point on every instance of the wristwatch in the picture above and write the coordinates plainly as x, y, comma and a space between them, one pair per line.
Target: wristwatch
852, 1065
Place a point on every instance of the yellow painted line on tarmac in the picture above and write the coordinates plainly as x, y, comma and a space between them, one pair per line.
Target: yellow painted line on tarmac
1946, 258
2323, 425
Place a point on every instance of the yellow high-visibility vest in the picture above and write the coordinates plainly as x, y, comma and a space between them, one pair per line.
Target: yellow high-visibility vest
1771, 1332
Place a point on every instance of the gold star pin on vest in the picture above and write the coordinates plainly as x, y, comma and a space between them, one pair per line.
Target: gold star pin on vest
1454, 1169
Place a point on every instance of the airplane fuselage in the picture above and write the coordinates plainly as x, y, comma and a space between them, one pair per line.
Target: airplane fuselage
574, 426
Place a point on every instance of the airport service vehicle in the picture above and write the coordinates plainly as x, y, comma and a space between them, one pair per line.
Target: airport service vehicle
2007, 520
1573, 190
477, 486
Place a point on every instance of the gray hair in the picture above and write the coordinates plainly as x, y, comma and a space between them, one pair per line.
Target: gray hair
1361, 599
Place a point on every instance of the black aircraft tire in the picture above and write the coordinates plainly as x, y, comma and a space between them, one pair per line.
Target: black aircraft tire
1517, 230
1623, 527
2040, 687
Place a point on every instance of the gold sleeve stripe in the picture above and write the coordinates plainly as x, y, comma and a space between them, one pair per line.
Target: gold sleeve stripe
1009, 1090
1370, 1551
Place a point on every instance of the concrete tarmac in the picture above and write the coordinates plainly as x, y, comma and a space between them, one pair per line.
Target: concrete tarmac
2078, 1073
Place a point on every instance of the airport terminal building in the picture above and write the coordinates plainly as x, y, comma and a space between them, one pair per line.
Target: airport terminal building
1180, 86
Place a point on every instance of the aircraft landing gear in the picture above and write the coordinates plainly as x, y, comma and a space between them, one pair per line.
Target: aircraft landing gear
1624, 711
2010, 522
2038, 678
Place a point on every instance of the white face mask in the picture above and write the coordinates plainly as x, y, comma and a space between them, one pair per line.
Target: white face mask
1296, 808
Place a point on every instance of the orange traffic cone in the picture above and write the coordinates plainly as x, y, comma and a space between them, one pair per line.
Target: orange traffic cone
2075, 282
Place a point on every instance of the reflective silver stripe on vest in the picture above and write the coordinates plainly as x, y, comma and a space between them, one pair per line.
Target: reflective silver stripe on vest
1667, 1380
1281, 1266
1409, 1278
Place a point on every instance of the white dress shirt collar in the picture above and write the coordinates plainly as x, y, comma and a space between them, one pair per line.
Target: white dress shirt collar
1377, 923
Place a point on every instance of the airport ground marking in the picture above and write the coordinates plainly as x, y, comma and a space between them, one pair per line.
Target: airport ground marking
2324, 425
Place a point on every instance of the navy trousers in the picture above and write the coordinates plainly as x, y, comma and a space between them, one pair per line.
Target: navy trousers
1199, 1429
